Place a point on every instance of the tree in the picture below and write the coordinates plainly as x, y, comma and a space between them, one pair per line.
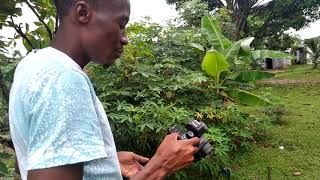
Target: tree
313, 48
46, 23
45, 27
263, 20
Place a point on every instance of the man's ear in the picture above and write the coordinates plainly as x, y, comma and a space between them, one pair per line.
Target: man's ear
82, 12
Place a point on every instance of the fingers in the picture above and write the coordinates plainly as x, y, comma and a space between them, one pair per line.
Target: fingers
195, 141
140, 158
173, 136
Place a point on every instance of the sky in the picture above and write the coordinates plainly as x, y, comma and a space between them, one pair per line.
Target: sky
159, 11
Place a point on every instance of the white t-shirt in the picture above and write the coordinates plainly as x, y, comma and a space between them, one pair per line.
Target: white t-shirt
56, 119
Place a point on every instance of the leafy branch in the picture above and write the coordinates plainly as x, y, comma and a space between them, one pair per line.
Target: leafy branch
40, 19
20, 32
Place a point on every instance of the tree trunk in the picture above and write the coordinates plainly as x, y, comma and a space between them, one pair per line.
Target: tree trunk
3, 87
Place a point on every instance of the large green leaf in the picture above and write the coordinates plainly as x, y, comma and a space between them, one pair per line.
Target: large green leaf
3, 168
247, 76
247, 98
211, 28
233, 51
245, 49
197, 46
214, 63
262, 54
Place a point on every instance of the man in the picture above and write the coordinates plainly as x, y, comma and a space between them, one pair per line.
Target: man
58, 125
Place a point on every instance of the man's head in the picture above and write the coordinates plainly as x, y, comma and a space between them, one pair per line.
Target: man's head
98, 25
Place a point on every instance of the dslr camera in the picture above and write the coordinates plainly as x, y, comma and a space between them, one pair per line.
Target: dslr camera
194, 129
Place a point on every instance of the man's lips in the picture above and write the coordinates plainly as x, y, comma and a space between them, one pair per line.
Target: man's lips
120, 51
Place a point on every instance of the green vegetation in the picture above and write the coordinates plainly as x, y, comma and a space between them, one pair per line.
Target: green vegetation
267, 21
196, 67
298, 132
313, 48
154, 86
302, 73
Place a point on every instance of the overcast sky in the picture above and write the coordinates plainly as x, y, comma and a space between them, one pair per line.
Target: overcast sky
160, 12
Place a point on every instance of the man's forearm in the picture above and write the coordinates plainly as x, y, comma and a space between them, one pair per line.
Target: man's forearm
151, 171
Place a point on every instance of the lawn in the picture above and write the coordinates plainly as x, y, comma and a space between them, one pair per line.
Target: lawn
300, 72
298, 133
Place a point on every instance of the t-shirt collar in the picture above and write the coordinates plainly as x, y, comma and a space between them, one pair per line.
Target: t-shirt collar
65, 57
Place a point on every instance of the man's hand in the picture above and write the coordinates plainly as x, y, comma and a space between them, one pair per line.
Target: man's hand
130, 163
171, 156
174, 154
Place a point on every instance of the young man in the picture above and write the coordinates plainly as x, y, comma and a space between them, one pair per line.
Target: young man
58, 125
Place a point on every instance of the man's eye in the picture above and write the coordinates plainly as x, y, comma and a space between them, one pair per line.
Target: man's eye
122, 26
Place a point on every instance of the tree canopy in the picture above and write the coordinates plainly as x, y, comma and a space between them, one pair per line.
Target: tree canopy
265, 20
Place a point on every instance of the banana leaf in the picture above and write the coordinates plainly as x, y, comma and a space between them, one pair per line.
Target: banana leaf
214, 63
247, 98
248, 76
245, 49
212, 29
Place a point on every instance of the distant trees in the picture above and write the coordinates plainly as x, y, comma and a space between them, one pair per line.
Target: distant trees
313, 48
264, 21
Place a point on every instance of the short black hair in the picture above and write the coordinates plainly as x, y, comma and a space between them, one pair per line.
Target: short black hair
63, 6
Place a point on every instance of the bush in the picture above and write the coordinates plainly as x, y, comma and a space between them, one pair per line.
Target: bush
159, 83
276, 110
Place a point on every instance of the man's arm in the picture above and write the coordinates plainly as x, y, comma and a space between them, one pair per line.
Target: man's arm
68, 172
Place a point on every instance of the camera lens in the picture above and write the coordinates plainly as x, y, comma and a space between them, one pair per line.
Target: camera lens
206, 148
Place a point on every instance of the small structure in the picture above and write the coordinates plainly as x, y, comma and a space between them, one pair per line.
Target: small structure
276, 63
301, 53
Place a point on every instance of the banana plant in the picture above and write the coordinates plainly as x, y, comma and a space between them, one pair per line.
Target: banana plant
222, 56
214, 63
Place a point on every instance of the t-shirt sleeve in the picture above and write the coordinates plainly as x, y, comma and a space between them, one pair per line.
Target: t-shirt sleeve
64, 126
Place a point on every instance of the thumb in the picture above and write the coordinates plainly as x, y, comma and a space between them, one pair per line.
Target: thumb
139, 158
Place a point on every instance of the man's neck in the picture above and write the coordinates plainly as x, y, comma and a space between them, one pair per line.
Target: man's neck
69, 44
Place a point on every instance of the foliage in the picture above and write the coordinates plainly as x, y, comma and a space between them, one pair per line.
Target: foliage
266, 21
277, 110
158, 83
45, 26
227, 24
279, 42
192, 12
215, 63
4, 171
297, 131
313, 47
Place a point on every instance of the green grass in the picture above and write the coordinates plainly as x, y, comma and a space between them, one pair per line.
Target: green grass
300, 72
299, 133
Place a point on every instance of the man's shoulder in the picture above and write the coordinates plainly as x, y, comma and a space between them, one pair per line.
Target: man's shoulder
47, 67
42, 59
44, 62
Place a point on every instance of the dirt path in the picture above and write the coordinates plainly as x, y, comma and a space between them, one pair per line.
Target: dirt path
288, 82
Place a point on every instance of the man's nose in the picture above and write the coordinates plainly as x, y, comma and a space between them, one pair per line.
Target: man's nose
124, 40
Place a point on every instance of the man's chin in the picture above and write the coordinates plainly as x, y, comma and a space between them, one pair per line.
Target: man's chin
105, 62
105, 65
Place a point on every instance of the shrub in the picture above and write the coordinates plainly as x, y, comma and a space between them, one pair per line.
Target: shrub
159, 83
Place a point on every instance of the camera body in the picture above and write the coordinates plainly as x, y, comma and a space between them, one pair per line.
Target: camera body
194, 129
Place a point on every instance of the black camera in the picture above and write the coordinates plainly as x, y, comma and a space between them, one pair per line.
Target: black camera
194, 129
